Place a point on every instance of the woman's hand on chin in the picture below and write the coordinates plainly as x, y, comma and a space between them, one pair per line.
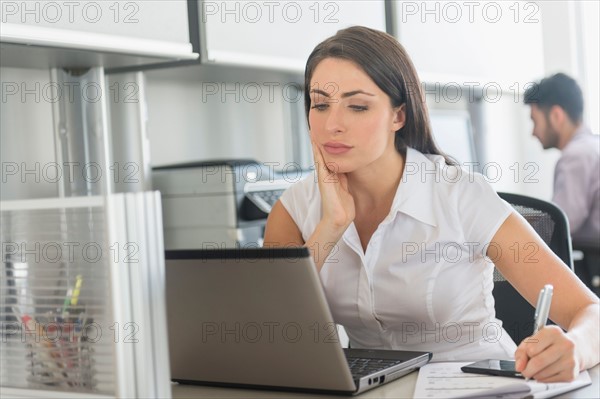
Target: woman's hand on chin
336, 201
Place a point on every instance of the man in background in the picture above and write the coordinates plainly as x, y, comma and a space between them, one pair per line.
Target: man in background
557, 113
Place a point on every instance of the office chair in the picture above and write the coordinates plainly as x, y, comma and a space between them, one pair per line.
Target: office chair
551, 224
587, 266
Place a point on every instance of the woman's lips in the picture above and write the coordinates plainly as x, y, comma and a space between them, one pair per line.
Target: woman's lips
336, 148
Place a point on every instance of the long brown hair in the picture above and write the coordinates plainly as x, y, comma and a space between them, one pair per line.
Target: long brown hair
386, 62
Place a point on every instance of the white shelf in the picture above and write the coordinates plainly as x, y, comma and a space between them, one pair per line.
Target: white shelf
40, 47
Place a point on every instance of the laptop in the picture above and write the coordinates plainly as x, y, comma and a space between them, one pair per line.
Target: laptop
258, 318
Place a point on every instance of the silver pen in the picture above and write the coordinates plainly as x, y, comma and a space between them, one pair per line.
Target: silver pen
543, 308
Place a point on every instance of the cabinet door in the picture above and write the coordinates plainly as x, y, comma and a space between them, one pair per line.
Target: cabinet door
278, 34
156, 29
154, 20
496, 42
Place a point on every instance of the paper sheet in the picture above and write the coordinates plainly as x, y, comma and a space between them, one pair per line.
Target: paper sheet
446, 380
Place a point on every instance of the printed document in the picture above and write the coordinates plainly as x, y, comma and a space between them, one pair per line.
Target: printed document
446, 380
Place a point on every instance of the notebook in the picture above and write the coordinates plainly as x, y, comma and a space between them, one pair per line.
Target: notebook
446, 380
259, 318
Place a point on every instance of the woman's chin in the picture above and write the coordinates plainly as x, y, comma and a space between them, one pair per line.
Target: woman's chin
340, 166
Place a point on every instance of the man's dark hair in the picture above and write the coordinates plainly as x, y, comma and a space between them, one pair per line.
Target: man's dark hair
560, 90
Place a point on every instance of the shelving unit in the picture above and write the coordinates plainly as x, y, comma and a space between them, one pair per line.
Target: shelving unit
121, 305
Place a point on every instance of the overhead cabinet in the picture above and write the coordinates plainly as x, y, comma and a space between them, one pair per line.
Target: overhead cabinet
93, 33
277, 35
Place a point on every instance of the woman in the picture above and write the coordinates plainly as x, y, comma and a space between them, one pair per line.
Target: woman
402, 238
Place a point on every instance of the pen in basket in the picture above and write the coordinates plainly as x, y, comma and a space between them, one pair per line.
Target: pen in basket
72, 297
62, 357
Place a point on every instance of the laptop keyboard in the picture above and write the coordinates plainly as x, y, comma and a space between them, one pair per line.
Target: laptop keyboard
361, 367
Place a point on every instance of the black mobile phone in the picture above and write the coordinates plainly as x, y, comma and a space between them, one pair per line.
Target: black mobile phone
505, 368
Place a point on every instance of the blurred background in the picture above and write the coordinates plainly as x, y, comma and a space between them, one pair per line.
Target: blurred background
240, 98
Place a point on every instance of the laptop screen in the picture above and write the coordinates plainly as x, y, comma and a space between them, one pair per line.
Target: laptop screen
252, 317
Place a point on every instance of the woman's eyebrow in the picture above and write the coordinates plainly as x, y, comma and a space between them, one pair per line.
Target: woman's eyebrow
344, 95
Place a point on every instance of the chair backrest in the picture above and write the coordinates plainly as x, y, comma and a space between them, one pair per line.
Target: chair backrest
552, 225
587, 266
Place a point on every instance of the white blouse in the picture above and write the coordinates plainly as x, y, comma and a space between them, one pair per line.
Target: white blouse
424, 282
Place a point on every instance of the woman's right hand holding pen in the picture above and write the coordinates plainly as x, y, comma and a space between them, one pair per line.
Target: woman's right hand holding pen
550, 354
337, 205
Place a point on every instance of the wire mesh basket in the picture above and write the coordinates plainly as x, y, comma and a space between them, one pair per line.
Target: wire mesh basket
59, 353
69, 289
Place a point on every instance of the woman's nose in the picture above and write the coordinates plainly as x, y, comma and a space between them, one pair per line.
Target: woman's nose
334, 122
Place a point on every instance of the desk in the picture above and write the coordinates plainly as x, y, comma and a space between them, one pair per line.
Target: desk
401, 388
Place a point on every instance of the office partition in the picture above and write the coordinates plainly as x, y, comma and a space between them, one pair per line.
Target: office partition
82, 297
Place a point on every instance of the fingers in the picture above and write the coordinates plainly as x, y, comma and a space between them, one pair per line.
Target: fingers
525, 351
318, 157
316, 154
315, 150
328, 170
343, 181
562, 369
539, 363
521, 356
521, 359
548, 355
538, 342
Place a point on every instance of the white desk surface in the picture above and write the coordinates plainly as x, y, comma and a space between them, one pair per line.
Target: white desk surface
401, 388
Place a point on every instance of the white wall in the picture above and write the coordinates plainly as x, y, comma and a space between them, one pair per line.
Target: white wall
524, 166
205, 114
572, 46
590, 40
509, 128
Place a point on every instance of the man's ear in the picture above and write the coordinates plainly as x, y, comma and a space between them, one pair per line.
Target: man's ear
399, 117
557, 116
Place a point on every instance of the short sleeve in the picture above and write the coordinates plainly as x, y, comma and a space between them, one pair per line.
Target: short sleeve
288, 200
481, 210
299, 201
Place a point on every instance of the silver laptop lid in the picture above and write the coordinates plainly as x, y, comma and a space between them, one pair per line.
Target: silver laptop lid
252, 317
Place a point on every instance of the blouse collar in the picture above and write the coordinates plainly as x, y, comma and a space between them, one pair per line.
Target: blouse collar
414, 196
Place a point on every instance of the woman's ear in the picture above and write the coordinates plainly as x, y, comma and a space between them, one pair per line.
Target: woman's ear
399, 117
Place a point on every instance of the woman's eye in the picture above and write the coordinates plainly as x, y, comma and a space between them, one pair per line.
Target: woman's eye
359, 108
319, 107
